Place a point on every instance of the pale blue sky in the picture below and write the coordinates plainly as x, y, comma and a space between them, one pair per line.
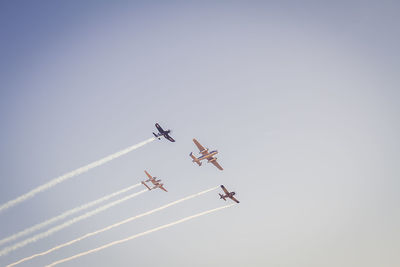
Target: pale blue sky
300, 98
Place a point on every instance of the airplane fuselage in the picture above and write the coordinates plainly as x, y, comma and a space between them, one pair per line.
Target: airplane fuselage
207, 156
230, 195
161, 133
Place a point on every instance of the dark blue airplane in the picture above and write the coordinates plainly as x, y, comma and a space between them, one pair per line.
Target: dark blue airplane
164, 133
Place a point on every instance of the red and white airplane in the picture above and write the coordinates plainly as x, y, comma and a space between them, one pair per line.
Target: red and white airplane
156, 183
205, 154
228, 194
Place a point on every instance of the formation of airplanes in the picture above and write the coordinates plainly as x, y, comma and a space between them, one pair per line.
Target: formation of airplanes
205, 155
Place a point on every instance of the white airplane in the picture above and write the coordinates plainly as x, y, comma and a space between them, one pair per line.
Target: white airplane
155, 182
205, 155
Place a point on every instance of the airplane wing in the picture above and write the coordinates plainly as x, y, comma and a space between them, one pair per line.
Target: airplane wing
159, 128
148, 175
217, 165
223, 188
200, 147
234, 199
169, 138
162, 187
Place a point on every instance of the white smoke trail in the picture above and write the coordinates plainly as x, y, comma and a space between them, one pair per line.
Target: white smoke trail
138, 235
71, 174
112, 226
57, 228
65, 214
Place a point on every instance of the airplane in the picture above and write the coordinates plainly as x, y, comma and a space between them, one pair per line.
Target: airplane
228, 194
163, 133
205, 155
155, 182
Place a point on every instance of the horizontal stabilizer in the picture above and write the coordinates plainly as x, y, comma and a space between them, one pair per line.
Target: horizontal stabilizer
157, 136
195, 159
146, 185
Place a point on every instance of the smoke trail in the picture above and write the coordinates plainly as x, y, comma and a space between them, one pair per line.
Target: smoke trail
138, 235
57, 228
69, 175
112, 226
66, 214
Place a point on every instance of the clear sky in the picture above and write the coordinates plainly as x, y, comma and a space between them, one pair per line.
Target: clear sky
301, 98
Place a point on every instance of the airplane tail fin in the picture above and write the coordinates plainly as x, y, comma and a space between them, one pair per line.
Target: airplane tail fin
222, 196
195, 159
